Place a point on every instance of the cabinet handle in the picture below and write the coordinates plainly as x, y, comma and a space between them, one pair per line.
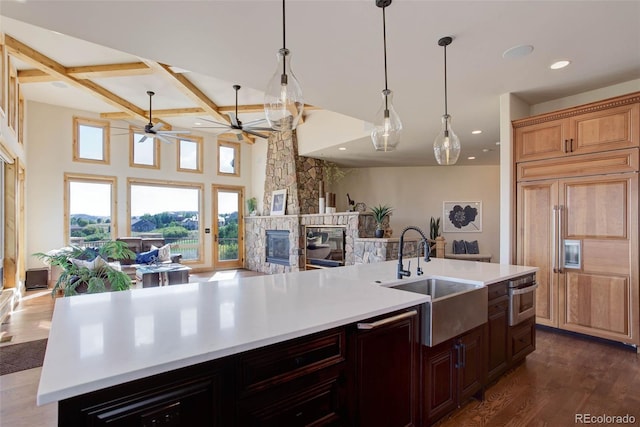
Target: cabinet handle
564, 149
571, 145
388, 320
457, 347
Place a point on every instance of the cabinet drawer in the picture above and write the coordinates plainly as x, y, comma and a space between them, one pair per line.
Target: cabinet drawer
522, 339
317, 404
498, 305
497, 290
263, 368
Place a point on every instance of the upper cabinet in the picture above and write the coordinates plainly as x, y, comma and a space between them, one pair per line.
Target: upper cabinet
603, 126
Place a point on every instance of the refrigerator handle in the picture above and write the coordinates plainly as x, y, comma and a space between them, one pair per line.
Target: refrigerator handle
560, 241
554, 245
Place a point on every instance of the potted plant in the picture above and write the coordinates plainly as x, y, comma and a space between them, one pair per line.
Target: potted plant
252, 206
434, 231
379, 214
86, 270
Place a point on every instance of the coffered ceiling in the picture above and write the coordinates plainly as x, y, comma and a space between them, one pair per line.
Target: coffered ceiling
337, 56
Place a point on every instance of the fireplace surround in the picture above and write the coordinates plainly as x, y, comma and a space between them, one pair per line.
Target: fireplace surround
277, 247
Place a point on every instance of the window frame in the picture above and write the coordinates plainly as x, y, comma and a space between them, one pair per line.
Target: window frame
96, 179
179, 184
106, 138
156, 151
237, 147
199, 141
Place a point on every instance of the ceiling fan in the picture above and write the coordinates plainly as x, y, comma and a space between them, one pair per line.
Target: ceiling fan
153, 131
236, 126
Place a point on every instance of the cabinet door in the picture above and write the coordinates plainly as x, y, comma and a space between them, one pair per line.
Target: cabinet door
386, 372
599, 296
497, 327
541, 141
537, 243
472, 368
609, 129
439, 380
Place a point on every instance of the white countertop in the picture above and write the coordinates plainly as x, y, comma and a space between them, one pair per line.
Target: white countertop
101, 340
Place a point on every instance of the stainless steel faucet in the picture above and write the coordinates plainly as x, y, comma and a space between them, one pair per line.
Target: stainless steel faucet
401, 271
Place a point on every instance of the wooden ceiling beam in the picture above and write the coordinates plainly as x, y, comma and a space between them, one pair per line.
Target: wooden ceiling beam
34, 76
172, 112
48, 65
110, 70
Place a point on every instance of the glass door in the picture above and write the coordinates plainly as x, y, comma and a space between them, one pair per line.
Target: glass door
228, 227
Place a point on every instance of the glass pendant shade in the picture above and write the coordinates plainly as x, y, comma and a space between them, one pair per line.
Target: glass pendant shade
446, 146
283, 102
388, 127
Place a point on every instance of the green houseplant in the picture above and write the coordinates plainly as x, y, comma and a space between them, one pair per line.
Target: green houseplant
434, 231
252, 205
86, 270
380, 212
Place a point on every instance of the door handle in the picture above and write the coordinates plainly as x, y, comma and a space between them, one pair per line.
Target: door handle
388, 320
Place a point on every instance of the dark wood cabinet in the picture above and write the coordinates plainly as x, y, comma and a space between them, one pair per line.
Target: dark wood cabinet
497, 331
384, 371
453, 372
522, 340
190, 396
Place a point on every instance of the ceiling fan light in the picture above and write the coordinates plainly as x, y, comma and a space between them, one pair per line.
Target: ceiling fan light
283, 101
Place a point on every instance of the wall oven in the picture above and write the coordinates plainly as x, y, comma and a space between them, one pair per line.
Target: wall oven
522, 298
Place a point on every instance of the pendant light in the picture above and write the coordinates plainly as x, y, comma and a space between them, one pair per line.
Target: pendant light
283, 102
388, 127
446, 146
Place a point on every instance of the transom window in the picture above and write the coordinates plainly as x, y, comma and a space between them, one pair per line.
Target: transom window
190, 154
90, 140
168, 210
228, 158
144, 152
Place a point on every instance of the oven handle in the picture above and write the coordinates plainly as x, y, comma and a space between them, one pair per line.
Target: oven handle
388, 320
523, 290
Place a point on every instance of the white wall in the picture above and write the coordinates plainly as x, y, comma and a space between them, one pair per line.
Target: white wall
49, 155
417, 194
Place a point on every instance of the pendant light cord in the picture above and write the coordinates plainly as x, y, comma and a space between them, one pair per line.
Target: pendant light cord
284, 39
384, 41
445, 80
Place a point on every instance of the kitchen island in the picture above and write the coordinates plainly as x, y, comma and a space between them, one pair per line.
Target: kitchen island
104, 340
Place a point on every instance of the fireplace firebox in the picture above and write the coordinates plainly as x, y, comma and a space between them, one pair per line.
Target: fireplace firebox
278, 247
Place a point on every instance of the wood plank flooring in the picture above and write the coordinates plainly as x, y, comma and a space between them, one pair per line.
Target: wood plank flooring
566, 375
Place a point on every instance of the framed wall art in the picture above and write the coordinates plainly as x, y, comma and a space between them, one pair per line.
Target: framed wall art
462, 217
278, 202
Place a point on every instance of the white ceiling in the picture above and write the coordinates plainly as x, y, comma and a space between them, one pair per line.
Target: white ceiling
337, 56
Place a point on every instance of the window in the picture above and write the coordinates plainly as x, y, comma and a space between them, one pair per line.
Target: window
228, 158
90, 140
190, 154
143, 154
90, 214
169, 210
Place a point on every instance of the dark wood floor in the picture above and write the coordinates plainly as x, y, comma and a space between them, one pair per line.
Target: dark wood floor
565, 376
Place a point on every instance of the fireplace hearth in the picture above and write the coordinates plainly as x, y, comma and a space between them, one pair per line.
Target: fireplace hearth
277, 248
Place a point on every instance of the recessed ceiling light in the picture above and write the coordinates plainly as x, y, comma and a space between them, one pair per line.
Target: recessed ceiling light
342, 148
61, 85
559, 64
517, 51
197, 124
471, 157
476, 132
486, 150
498, 143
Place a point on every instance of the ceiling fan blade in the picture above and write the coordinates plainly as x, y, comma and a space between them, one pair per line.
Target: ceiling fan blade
213, 121
164, 139
259, 128
171, 132
259, 135
234, 119
253, 122
143, 139
213, 127
157, 126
